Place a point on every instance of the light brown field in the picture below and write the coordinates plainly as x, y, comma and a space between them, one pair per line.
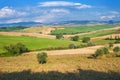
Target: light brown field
87, 50
27, 34
43, 30
62, 67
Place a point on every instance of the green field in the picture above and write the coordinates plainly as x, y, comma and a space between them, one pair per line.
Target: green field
80, 29
102, 41
98, 34
33, 43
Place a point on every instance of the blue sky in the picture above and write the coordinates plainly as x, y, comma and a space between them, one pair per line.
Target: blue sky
45, 11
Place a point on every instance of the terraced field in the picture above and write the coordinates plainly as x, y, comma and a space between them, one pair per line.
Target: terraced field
80, 29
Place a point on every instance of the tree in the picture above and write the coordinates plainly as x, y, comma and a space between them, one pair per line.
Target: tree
42, 57
100, 51
75, 38
59, 36
116, 49
86, 39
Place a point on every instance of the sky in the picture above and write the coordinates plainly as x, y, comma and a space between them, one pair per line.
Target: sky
46, 11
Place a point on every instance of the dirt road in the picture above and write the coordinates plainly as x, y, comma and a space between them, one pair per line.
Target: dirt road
87, 50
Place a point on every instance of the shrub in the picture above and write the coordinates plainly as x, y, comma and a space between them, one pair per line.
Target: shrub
90, 43
86, 39
100, 52
59, 36
75, 38
71, 46
117, 41
116, 49
42, 57
111, 45
18, 48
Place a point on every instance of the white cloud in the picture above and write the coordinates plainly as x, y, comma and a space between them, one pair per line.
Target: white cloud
59, 11
84, 6
53, 15
64, 4
9, 12
108, 17
6, 11
114, 12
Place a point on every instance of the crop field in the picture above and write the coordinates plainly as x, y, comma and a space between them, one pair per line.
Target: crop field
33, 43
102, 41
62, 67
80, 29
98, 34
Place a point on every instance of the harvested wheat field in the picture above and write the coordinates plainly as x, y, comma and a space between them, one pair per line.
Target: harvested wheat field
62, 67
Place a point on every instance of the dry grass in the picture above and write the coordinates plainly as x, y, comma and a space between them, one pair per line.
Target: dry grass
62, 67
43, 30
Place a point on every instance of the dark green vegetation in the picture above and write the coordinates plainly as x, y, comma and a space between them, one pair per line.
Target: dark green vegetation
34, 43
75, 38
86, 39
14, 49
9, 29
80, 29
42, 57
100, 52
104, 52
59, 36
116, 49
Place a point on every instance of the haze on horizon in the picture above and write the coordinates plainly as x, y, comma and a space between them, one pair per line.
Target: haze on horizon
12, 11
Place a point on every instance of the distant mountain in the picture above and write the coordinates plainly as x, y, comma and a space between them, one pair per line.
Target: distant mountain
87, 22
26, 24
62, 23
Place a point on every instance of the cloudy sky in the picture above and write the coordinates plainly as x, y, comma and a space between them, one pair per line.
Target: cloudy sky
45, 11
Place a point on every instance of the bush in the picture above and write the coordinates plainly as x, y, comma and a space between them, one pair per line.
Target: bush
116, 49
86, 39
100, 52
18, 48
42, 57
59, 36
71, 46
75, 38
90, 43
111, 45
117, 41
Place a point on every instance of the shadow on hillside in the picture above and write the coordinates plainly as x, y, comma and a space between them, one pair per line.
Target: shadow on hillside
54, 75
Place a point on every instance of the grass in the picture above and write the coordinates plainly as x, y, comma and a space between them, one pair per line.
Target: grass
102, 41
98, 34
9, 29
33, 43
62, 67
80, 29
